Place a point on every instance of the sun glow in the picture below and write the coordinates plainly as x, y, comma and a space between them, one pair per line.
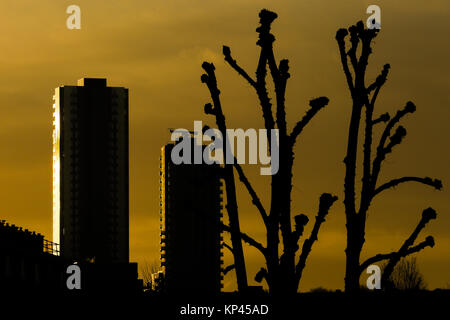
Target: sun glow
56, 168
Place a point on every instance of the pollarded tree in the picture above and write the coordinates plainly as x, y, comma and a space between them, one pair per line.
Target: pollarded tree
363, 99
283, 269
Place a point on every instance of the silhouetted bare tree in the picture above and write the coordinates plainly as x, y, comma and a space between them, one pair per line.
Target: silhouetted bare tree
364, 98
283, 271
405, 276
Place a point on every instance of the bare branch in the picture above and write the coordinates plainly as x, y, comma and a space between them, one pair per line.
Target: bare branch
395, 139
316, 105
379, 82
340, 38
255, 199
249, 240
427, 215
266, 18
279, 77
265, 41
235, 66
325, 203
381, 150
371, 177
435, 183
385, 117
291, 239
209, 78
228, 269
367, 159
428, 242
260, 275
280, 89
381, 79
354, 40
368, 140
366, 36
409, 108
300, 222
226, 245
263, 95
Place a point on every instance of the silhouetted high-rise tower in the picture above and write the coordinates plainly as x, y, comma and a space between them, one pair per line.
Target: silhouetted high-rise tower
191, 204
90, 171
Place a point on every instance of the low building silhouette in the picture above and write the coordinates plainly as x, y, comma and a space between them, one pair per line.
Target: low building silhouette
28, 262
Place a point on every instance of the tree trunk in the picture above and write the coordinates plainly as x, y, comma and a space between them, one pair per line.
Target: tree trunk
238, 253
355, 241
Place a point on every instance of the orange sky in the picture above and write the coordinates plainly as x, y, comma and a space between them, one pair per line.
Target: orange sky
155, 48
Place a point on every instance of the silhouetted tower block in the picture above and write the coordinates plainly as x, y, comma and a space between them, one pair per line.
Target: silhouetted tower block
90, 171
191, 213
